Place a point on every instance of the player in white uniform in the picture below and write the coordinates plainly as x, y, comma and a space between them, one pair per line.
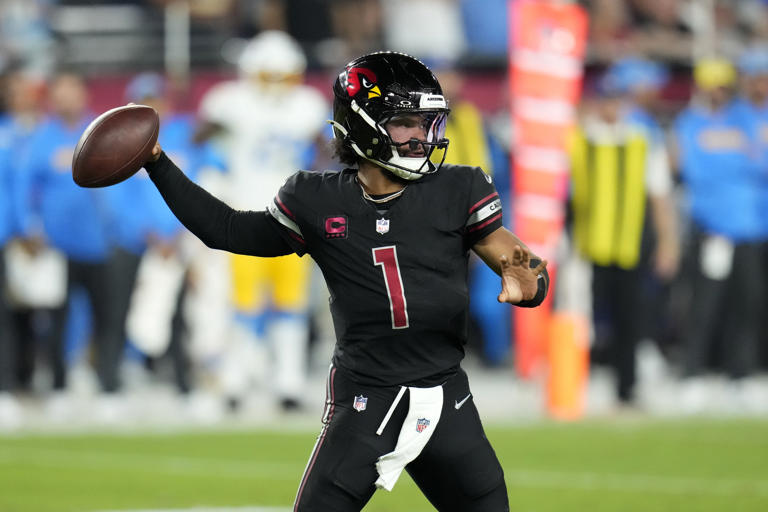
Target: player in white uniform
267, 122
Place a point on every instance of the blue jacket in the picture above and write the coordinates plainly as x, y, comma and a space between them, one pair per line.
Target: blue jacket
758, 117
14, 138
75, 220
721, 172
7, 218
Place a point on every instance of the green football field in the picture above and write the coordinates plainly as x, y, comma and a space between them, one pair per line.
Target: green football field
639, 465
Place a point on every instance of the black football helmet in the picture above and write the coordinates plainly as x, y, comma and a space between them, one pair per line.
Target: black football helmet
377, 88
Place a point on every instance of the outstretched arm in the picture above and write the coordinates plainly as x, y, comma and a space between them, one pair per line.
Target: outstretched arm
524, 278
211, 220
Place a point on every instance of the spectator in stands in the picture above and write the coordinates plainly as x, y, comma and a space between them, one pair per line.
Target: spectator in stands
753, 15
608, 31
25, 34
334, 33
358, 26
623, 222
723, 183
268, 123
441, 38
655, 28
659, 29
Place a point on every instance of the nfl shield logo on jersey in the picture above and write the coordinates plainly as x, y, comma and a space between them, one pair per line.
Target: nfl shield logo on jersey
382, 226
421, 424
361, 402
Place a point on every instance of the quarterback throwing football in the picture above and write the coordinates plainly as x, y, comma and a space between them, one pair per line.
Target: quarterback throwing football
392, 236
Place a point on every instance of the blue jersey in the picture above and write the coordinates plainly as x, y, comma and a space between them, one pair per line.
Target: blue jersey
758, 117
138, 210
720, 170
7, 221
73, 219
14, 139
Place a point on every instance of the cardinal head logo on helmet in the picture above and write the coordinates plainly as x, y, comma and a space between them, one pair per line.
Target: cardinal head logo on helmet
362, 80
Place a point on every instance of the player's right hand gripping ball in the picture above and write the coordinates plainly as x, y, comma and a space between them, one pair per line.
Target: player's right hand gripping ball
115, 145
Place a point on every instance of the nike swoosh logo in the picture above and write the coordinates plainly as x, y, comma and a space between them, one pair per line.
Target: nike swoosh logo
458, 404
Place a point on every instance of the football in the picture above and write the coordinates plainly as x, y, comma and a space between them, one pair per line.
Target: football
115, 145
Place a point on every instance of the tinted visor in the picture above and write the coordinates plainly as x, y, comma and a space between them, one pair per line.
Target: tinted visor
417, 139
422, 126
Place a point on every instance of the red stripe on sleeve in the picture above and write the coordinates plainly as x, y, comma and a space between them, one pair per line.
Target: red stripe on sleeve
284, 208
295, 236
483, 224
483, 200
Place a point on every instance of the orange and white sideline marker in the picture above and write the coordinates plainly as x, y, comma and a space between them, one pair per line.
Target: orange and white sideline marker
547, 45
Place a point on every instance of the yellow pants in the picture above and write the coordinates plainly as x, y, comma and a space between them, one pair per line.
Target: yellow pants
281, 282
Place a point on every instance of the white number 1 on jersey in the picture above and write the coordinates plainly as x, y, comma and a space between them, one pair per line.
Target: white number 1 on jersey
386, 257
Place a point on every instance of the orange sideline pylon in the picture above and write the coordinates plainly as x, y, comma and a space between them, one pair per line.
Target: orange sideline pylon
568, 354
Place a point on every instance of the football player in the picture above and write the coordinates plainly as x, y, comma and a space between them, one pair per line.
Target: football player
392, 235
254, 119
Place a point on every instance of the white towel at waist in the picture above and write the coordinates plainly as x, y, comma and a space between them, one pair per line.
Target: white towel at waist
424, 410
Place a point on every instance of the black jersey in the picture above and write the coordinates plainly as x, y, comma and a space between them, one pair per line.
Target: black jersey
397, 278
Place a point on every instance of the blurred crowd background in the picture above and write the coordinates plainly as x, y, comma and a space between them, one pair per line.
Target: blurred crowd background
106, 297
